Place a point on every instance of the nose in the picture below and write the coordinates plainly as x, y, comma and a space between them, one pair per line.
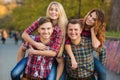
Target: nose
53, 11
73, 31
46, 31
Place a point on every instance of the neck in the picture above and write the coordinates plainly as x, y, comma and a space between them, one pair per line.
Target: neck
77, 41
45, 41
87, 27
55, 22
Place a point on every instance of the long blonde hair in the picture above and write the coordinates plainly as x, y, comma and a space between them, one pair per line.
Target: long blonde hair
62, 20
100, 24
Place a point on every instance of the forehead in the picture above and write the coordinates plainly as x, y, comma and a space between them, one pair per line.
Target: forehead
54, 5
45, 25
70, 25
93, 14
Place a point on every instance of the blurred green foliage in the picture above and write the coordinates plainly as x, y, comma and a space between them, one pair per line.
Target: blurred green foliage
25, 15
115, 34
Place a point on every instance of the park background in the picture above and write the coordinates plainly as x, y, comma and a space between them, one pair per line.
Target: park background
16, 15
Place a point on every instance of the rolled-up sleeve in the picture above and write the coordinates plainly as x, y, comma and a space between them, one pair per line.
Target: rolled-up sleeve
32, 27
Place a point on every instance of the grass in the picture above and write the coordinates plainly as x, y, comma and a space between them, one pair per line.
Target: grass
113, 34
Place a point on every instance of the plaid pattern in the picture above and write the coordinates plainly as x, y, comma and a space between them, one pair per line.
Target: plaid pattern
102, 56
56, 37
39, 66
67, 41
32, 27
26, 44
84, 57
86, 33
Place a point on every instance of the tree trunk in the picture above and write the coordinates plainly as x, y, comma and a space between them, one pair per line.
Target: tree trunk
115, 16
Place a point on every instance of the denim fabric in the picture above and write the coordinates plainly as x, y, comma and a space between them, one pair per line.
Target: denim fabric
53, 72
18, 69
100, 69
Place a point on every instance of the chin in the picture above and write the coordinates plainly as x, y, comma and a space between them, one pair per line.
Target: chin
73, 39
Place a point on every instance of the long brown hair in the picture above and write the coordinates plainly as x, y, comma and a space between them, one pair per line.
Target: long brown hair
100, 24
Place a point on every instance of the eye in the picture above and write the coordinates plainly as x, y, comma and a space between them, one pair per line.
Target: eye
90, 15
70, 29
51, 9
76, 29
42, 28
94, 19
48, 28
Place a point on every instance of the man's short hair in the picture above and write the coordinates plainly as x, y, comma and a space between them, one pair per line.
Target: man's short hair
43, 20
75, 21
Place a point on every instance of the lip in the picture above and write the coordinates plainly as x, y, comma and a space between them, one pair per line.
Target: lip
45, 34
73, 35
53, 16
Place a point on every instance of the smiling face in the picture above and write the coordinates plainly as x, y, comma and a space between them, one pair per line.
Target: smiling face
74, 31
45, 30
91, 19
53, 12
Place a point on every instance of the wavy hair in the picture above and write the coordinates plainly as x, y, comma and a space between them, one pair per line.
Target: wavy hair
100, 24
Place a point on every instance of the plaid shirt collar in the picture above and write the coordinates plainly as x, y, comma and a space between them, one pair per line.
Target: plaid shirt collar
80, 44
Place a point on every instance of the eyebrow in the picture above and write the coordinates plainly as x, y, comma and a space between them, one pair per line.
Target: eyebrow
93, 17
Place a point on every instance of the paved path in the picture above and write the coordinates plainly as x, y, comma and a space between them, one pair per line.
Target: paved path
8, 55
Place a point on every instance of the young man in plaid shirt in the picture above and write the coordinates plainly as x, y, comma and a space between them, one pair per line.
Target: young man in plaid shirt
40, 62
82, 53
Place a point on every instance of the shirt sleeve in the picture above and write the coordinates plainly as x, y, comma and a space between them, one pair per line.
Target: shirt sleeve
26, 44
102, 55
67, 41
32, 27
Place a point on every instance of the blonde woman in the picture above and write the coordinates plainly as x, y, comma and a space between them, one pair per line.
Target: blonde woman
56, 13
